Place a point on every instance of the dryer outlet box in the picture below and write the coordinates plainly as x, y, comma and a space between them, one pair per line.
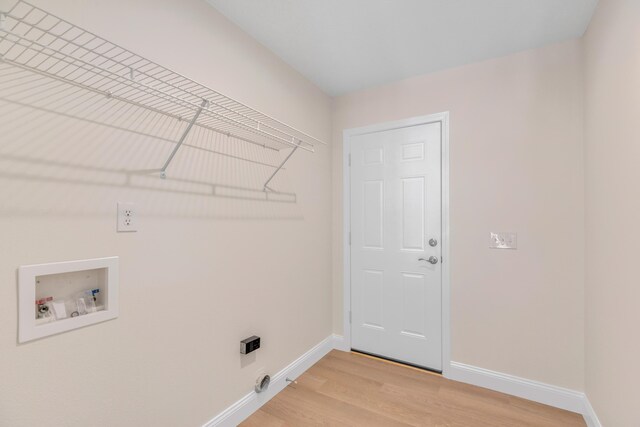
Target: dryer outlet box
249, 345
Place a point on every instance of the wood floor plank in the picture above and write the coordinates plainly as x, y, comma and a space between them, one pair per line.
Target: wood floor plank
304, 407
369, 395
416, 381
263, 419
349, 389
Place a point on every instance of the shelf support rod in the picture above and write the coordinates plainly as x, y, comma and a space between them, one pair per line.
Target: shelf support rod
163, 170
281, 165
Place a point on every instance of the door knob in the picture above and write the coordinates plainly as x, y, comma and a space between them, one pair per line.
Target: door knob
431, 259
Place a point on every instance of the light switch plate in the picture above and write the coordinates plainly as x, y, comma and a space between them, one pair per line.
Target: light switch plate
503, 240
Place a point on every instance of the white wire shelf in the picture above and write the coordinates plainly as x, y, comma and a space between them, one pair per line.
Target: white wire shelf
37, 41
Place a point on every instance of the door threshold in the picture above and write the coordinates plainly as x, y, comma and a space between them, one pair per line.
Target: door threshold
396, 362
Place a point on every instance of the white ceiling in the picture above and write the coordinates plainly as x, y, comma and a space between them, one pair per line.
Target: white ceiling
346, 45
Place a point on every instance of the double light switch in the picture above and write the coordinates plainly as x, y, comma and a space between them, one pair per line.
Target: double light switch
503, 240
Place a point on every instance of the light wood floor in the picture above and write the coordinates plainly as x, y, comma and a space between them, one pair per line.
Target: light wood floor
349, 389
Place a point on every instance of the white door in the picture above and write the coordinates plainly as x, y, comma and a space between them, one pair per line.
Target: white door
396, 275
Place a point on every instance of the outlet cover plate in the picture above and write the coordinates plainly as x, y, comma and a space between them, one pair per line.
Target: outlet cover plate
503, 240
127, 218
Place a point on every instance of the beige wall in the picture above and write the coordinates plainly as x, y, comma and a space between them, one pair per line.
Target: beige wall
201, 273
612, 87
516, 165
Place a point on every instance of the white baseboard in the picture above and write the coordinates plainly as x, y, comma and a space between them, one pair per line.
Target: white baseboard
569, 400
243, 408
339, 343
589, 414
558, 397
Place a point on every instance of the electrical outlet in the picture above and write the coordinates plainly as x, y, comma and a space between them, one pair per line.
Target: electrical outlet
127, 219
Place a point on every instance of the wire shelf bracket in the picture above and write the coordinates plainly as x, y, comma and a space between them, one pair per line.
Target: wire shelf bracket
37, 41
275, 172
163, 170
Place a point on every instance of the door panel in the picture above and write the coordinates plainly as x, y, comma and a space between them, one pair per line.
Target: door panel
372, 285
372, 214
395, 211
413, 296
413, 219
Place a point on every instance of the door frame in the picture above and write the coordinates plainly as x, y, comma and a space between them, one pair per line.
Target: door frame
443, 118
